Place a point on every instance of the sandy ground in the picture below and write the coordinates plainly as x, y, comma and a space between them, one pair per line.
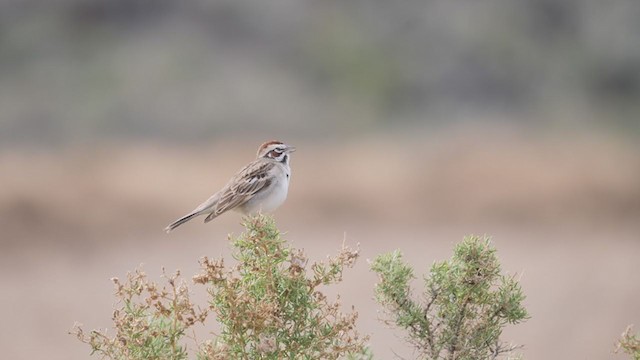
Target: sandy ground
565, 216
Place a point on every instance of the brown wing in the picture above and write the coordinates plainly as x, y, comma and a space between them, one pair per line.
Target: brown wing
242, 187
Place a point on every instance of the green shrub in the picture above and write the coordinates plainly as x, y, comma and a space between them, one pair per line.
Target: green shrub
467, 302
149, 321
270, 309
268, 306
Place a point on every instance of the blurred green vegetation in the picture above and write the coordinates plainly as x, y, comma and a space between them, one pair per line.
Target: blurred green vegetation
75, 70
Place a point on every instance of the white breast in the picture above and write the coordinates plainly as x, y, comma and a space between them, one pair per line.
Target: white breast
276, 197
270, 199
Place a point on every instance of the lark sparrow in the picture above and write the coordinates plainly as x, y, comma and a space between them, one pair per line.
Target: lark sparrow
262, 185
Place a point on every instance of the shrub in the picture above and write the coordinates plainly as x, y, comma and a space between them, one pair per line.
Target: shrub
467, 302
149, 321
270, 306
270, 309
630, 343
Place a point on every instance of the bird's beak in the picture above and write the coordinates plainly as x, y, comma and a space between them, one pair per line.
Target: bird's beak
291, 149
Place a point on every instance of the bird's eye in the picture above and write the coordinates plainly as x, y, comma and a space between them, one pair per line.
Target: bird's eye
275, 153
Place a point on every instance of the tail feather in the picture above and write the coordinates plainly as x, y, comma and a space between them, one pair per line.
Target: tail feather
181, 221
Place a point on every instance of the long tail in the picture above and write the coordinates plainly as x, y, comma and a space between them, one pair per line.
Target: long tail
181, 221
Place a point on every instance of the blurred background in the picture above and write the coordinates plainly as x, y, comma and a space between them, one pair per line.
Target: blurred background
416, 123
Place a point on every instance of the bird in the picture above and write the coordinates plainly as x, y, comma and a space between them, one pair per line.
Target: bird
262, 185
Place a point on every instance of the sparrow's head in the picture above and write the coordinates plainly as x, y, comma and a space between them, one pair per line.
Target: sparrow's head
276, 150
